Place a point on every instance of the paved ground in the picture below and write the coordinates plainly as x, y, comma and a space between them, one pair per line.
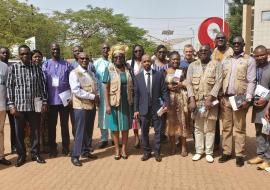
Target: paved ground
174, 172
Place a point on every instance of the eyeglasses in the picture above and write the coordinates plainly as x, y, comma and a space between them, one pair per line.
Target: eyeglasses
137, 51
220, 38
24, 54
84, 58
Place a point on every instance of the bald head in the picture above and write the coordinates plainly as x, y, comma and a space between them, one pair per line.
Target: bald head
238, 45
83, 60
55, 51
221, 41
146, 61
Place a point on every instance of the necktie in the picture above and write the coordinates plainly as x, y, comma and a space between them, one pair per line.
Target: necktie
148, 88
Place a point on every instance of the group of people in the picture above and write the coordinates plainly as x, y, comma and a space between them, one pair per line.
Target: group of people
162, 91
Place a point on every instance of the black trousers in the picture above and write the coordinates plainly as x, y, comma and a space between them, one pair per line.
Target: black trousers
12, 131
145, 124
33, 118
53, 116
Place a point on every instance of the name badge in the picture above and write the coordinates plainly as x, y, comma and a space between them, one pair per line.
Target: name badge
55, 81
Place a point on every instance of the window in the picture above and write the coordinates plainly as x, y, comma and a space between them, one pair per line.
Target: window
266, 15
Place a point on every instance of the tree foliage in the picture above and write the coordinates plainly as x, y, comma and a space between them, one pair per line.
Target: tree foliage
235, 16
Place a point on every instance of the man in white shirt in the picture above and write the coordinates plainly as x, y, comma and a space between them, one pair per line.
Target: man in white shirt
85, 96
3, 97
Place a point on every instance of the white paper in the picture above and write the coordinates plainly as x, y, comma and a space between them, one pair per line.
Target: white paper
261, 91
38, 104
215, 102
233, 104
178, 73
65, 97
266, 127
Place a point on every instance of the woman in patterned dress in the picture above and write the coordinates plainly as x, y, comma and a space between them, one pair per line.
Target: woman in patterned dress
178, 113
118, 91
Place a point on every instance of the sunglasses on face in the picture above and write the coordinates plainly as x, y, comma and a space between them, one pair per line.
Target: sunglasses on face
237, 43
84, 58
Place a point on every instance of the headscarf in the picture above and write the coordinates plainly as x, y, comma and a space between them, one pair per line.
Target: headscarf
119, 48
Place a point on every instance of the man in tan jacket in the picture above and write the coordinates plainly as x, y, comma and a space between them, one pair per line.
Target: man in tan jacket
239, 75
203, 84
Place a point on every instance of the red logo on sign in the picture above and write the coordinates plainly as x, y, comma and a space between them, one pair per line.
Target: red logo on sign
203, 34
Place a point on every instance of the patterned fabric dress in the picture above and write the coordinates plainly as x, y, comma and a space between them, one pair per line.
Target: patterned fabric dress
120, 118
100, 66
177, 116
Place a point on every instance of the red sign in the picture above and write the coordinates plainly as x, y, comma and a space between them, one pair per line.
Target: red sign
203, 34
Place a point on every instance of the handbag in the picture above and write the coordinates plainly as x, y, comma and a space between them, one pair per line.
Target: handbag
135, 124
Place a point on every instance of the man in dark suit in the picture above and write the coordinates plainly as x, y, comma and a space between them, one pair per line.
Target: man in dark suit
150, 90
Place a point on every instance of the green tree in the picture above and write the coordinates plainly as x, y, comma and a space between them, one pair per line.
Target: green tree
91, 27
235, 17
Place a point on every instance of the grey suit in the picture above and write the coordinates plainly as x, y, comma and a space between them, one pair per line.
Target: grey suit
262, 141
147, 110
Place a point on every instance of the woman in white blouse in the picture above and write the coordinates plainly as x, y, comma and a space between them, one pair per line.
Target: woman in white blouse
136, 67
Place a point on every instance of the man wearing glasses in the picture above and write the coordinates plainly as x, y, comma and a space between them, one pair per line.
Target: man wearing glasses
239, 78
85, 95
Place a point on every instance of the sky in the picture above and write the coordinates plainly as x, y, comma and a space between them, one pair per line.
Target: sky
181, 16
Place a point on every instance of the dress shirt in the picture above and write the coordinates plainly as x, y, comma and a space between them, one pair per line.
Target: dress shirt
3, 81
251, 75
60, 69
76, 86
24, 83
137, 66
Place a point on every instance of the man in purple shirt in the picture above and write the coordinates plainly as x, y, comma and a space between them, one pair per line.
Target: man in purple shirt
57, 71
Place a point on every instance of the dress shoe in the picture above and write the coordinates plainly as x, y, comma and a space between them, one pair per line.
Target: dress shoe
196, 157
38, 159
76, 162
65, 151
89, 155
239, 161
209, 158
103, 144
125, 157
5, 162
20, 161
158, 157
263, 166
256, 160
146, 157
224, 158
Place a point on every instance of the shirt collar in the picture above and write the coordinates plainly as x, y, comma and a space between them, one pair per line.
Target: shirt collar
238, 56
82, 69
151, 72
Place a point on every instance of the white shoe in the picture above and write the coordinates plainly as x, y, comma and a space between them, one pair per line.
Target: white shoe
209, 158
196, 157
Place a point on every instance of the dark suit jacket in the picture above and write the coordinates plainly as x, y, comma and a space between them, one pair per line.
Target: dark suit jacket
159, 92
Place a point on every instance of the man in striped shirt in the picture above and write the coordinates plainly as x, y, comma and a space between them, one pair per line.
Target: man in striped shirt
25, 83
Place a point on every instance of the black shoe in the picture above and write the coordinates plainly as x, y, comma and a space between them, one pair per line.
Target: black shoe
112, 143
103, 144
13, 150
239, 161
65, 151
53, 154
145, 157
125, 157
38, 159
89, 155
20, 161
158, 157
224, 158
5, 162
76, 162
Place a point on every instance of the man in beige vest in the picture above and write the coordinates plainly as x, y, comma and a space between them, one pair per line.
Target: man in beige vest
84, 90
239, 75
204, 81
221, 52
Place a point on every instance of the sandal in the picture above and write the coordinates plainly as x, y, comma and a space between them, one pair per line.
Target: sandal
117, 157
125, 157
